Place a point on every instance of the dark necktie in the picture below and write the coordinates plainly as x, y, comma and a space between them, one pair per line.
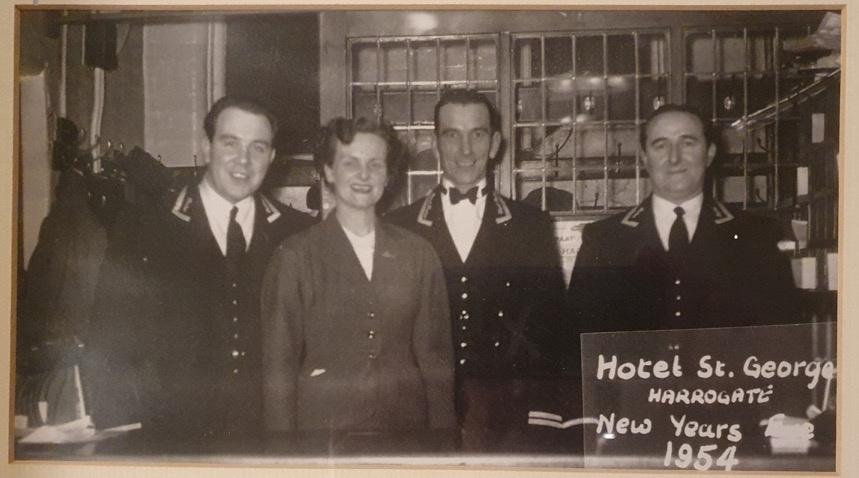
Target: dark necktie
235, 239
456, 196
678, 238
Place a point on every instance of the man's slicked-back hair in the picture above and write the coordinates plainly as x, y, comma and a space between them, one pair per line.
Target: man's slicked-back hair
706, 125
245, 104
463, 96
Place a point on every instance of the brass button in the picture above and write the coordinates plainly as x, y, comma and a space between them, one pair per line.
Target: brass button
235, 353
678, 314
235, 302
500, 313
235, 371
463, 327
371, 315
235, 285
464, 295
371, 356
235, 319
497, 344
462, 361
371, 334
677, 298
677, 282
507, 284
463, 345
235, 336
463, 279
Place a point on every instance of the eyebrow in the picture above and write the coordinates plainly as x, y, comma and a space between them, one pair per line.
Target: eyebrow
450, 128
682, 136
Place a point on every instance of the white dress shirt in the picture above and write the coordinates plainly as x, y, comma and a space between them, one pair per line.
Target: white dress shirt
464, 219
218, 213
663, 213
364, 247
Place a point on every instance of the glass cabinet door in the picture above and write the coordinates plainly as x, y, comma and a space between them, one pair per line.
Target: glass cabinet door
579, 99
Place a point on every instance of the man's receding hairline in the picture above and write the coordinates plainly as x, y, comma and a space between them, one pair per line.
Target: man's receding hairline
666, 113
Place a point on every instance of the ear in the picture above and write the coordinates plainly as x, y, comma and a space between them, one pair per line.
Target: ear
272, 155
329, 174
711, 153
496, 144
642, 158
206, 146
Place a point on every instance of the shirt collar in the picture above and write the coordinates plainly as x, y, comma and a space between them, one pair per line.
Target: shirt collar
218, 213
664, 215
448, 184
666, 207
218, 204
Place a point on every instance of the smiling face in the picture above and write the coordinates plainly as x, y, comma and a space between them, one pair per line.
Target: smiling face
239, 153
676, 155
359, 172
465, 142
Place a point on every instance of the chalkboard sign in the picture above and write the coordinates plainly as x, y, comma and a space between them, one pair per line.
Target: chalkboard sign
719, 399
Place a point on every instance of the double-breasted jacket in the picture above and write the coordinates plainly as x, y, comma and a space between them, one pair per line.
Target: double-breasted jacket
175, 341
732, 275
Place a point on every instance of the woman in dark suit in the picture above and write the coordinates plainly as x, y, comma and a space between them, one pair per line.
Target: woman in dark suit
355, 317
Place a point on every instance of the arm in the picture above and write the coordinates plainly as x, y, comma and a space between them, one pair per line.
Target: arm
431, 342
282, 343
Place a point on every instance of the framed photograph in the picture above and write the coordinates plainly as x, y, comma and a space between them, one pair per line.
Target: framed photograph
643, 274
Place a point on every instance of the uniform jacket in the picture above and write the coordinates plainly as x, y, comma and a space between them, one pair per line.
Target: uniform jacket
345, 353
504, 301
734, 274
175, 342
502, 298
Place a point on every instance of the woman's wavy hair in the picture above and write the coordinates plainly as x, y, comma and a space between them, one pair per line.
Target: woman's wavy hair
343, 130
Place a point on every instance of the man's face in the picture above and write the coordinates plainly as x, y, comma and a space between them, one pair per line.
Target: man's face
239, 153
676, 155
465, 142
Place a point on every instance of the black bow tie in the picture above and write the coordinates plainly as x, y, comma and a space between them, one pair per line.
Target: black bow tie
456, 196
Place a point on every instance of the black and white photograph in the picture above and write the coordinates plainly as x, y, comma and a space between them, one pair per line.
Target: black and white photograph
554, 238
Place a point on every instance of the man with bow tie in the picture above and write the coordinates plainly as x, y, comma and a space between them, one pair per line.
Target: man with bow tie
680, 259
175, 339
502, 269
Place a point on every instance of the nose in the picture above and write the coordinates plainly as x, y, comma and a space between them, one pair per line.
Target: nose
674, 153
364, 172
244, 155
466, 145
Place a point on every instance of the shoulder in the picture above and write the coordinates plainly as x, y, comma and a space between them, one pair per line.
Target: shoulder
303, 240
404, 237
612, 224
520, 209
281, 215
756, 228
406, 216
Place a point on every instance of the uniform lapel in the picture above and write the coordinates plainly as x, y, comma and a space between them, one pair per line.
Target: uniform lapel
439, 234
482, 251
197, 224
641, 234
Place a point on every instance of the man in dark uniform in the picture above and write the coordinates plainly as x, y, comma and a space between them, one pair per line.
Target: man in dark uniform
503, 277
175, 339
680, 259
